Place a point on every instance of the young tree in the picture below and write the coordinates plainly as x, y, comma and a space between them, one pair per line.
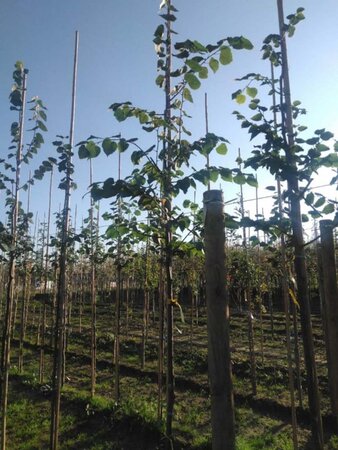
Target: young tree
158, 182
9, 182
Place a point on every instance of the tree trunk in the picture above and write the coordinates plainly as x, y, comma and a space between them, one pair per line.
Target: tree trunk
58, 368
299, 251
5, 356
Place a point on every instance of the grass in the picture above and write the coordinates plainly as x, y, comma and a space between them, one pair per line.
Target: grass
267, 442
98, 423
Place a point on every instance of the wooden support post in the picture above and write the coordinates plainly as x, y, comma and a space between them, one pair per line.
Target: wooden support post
330, 306
219, 361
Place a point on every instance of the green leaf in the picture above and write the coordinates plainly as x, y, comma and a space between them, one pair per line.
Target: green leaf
122, 145
226, 174
203, 73
160, 80
222, 149
143, 117
322, 147
192, 80
251, 91
83, 152
239, 42
314, 214
271, 188
187, 95
328, 209
312, 141
326, 135
230, 223
257, 117
168, 17
239, 178
240, 99
109, 146
225, 56
159, 31
193, 65
214, 64
120, 115
252, 181
246, 43
320, 202
310, 198
199, 47
305, 218
41, 125
43, 115
93, 149
213, 175
15, 98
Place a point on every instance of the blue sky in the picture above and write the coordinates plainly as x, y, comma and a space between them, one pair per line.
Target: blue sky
117, 62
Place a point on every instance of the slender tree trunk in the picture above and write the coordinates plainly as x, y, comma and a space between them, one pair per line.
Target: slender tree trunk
297, 354
160, 341
299, 251
168, 297
191, 301
118, 302
15, 307
62, 284
22, 316
5, 356
285, 293
92, 290
248, 298
146, 304
127, 306
286, 302
117, 334
45, 287
145, 326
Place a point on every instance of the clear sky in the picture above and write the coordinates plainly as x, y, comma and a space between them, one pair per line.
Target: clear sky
117, 63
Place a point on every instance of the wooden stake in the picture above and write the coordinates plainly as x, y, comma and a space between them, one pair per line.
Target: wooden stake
219, 358
330, 306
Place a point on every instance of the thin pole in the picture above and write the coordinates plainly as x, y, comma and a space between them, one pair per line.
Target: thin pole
167, 169
62, 290
25, 290
285, 290
45, 286
207, 130
93, 288
248, 295
118, 302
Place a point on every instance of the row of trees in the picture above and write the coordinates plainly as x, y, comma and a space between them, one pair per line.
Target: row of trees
166, 229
